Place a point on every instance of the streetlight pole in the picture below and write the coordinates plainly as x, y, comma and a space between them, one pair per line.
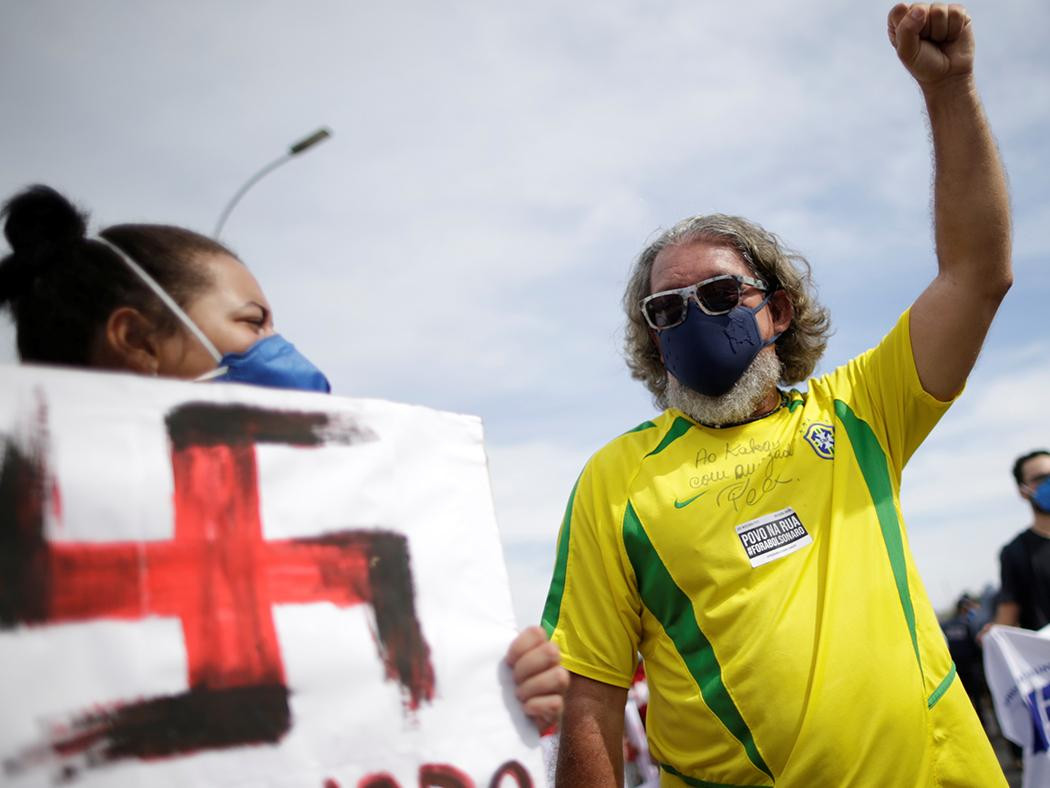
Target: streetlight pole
294, 150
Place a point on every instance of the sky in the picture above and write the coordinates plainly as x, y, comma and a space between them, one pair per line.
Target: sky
463, 239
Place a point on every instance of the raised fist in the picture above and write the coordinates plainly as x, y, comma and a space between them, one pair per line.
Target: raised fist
933, 41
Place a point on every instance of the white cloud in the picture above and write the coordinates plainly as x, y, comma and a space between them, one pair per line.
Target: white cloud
531, 482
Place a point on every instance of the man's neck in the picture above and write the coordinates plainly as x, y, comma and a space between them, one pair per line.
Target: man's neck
1041, 524
770, 403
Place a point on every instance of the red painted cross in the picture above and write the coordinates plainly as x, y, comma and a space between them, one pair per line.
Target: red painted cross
221, 579
217, 576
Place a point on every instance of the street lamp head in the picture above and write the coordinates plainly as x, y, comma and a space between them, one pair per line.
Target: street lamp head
308, 142
302, 145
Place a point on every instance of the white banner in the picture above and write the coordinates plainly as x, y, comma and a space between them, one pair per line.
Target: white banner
211, 584
1017, 668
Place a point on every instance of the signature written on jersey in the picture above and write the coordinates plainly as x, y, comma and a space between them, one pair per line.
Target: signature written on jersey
774, 449
752, 488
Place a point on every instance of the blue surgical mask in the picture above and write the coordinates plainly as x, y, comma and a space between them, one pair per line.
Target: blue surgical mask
1041, 497
709, 353
271, 361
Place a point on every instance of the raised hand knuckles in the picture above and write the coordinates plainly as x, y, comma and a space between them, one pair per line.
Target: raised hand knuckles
934, 42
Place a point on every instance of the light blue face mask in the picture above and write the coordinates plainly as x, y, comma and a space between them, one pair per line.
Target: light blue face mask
271, 361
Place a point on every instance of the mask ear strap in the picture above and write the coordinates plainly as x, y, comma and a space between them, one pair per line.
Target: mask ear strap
218, 371
758, 309
168, 301
754, 310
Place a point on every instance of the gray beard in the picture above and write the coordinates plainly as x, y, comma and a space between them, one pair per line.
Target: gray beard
736, 405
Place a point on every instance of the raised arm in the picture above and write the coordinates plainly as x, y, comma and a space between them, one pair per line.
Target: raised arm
950, 319
590, 751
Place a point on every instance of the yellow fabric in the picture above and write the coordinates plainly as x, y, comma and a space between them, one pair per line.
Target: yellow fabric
814, 649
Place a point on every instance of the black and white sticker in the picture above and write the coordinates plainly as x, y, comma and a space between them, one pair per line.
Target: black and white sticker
773, 536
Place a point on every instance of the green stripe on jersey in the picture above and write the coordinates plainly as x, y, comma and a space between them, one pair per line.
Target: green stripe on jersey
703, 783
674, 611
552, 609
941, 688
679, 428
873, 467
645, 425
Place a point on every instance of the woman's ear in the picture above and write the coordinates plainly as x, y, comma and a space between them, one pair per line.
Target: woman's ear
130, 341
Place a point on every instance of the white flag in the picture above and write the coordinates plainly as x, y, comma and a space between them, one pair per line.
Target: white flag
1017, 667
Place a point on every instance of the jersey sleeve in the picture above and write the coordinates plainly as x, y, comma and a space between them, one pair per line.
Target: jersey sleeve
881, 387
593, 612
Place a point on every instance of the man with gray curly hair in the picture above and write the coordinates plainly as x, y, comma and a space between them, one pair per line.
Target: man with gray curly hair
748, 541
797, 349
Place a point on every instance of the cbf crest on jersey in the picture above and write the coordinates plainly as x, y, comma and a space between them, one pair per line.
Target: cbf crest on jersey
822, 438
213, 584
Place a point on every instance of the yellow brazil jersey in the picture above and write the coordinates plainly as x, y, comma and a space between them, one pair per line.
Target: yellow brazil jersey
763, 573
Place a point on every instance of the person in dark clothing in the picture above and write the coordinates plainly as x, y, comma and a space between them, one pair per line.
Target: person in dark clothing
1024, 598
961, 633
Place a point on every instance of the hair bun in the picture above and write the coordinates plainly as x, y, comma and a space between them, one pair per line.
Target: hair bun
40, 223
39, 218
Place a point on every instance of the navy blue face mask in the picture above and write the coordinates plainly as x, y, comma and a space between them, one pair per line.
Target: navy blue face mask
271, 361
709, 353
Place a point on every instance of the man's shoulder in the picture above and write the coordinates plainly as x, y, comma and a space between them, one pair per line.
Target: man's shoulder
631, 447
1021, 543
640, 439
608, 471
895, 342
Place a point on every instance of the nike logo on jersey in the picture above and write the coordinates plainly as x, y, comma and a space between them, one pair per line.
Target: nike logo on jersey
682, 504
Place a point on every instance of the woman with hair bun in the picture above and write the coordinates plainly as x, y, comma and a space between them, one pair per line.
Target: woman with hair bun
145, 298
160, 300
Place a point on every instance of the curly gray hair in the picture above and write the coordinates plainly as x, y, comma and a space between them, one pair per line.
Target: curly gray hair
798, 348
